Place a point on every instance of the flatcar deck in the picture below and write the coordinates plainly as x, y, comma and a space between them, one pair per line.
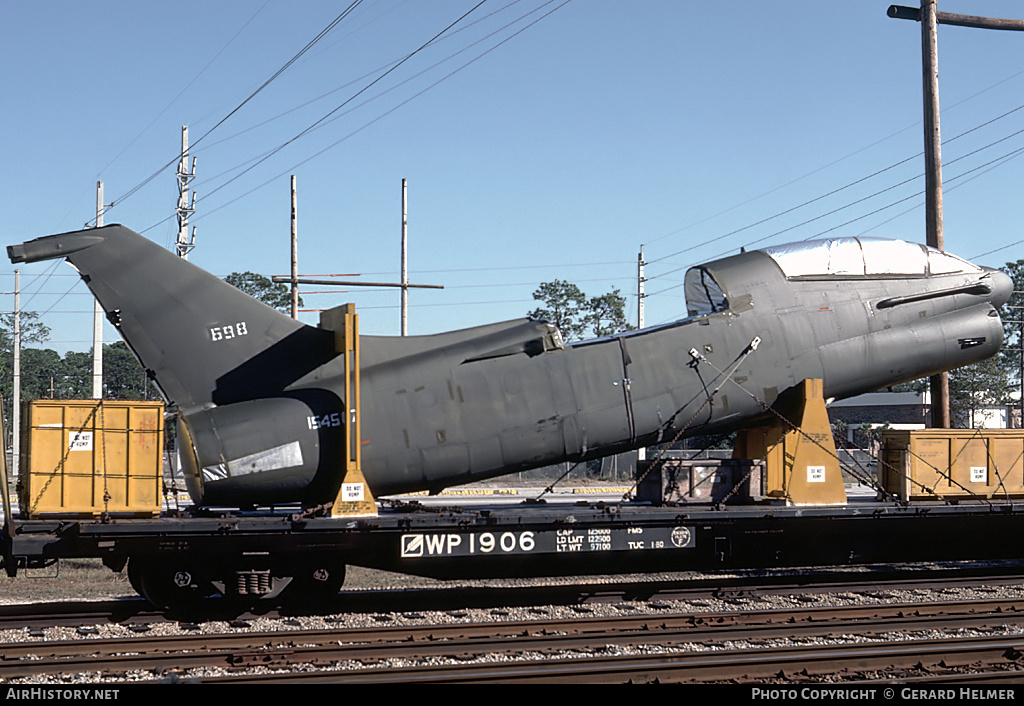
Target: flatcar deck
539, 539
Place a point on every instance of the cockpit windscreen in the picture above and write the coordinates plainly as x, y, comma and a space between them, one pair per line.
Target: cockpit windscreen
846, 257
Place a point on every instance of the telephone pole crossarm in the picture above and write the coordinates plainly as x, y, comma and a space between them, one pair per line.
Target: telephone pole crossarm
901, 12
277, 279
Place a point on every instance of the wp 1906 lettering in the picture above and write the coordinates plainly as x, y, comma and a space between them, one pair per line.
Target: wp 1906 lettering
563, 540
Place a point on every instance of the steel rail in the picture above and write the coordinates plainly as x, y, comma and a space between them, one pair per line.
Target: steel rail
134, 610
290, 647
789, 665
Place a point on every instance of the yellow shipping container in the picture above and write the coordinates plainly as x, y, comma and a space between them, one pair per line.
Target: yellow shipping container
933, 464
89, 457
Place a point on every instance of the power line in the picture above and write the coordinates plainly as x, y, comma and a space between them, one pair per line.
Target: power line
356, 80
849, 185
324, 121
252, 95
847, 156
984, 168
187, 86
324, 118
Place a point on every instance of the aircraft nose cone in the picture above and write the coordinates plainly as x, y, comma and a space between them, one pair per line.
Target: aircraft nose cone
1002, 287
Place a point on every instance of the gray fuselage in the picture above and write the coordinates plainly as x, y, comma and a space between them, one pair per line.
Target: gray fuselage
260, 397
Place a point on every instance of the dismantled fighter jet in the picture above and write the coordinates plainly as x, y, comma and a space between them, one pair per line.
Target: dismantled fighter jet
261, 413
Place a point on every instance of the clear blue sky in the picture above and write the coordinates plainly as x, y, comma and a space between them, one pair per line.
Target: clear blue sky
691, 128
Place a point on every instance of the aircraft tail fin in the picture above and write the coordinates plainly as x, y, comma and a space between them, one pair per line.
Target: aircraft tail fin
203, 341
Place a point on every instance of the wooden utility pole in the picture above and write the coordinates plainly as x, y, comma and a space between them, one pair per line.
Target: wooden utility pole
404, 284
640, 295
929, 17
932, 139
933, 179
295, 252
641, 454
97, 316
405, 259
16, 410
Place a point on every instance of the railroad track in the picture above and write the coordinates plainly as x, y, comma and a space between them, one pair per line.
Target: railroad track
958, 660
136, 611
674, 647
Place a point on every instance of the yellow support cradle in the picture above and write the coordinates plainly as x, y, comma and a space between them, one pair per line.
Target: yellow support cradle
354, 498
801, 466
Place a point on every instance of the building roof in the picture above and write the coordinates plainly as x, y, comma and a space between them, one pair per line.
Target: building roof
883, 399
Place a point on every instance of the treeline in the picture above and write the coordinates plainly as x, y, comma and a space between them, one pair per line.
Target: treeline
45, 374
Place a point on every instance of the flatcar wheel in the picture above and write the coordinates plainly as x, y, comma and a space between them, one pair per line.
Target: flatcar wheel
315, 583
169, 584
134, 577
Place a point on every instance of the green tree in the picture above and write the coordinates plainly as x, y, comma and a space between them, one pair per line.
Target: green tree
33, 332
971, 388
976, 386
77, 375
273, 294
123, 377
45, 374
606, 314
1012, 314
576, 315
564, 305
42, 374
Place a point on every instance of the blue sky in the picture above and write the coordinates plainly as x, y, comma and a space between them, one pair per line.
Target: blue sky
691, 128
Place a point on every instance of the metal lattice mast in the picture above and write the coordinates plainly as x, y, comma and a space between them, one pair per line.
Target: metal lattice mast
295, 251
186, 200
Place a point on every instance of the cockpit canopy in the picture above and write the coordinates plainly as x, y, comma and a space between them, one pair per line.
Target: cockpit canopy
853, 257
831, 258
703, 295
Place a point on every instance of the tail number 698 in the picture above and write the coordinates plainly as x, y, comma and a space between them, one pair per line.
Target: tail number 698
229, 331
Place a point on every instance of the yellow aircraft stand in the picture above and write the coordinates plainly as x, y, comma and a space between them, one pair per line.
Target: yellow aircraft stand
354, 498
801, 466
